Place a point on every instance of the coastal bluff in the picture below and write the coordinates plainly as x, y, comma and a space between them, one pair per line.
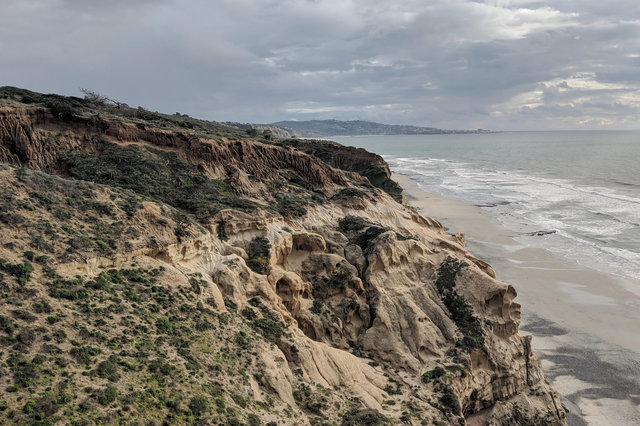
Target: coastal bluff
158, 268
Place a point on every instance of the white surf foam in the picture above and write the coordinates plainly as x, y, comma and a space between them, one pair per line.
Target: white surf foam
595, 225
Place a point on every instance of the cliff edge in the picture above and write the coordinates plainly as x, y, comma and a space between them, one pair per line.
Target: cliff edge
163, 269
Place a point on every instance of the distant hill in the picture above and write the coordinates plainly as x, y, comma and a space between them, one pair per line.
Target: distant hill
319, 128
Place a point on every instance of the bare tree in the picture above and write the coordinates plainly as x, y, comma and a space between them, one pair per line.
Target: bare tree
97, 98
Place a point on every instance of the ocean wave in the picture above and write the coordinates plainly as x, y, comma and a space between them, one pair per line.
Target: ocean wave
595, 225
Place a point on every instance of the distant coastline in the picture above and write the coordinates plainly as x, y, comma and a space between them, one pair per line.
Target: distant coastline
327, 128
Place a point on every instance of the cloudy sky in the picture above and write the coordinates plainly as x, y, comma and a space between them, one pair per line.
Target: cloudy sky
457, 64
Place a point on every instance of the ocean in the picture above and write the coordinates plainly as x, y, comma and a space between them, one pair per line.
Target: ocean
574, 193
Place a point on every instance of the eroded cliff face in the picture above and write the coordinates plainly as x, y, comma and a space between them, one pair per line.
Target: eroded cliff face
343, 308
389, 310
33, 138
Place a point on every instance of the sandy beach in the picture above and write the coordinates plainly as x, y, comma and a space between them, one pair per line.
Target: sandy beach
586, 325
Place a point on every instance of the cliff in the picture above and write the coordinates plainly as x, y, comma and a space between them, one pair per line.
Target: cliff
151, 273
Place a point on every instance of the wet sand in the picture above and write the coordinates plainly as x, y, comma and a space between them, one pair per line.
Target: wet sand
586, 325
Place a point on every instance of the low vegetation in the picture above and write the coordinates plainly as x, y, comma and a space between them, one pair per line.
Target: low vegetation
362, 232
258, 254
122, 328
338, 280
70, 108
460, 311
352, 159
155, 175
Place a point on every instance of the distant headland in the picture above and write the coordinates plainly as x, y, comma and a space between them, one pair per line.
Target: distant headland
322, 128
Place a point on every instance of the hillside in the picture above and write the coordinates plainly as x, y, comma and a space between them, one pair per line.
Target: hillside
320, 128
161, 269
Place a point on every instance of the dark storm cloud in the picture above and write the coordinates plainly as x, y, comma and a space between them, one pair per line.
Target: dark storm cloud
447, 63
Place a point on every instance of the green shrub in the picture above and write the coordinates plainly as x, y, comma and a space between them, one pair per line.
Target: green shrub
258, 255
291, 206
62, 109
258, 264
434, 374
340, 278
367, 238
249, 313
108, 395
230, 305
316, 308
11, 219
20, 271
43, 408
85, 354
347, 193
253, 420
450, 402
377, 175
29, 406
164, 325
363, 417
360, 231
26, 336
270, 328
199, 405
259, 246
7, 325
58, 335
352, 223
161, 366
108, 369
222, 232
42, 307
255, 301
243, 340
24, 371
447, 272
43, 259
460, 311
67, 289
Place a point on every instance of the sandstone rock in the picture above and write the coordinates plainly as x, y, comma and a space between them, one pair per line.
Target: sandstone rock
305, 241
354, 256
228, 249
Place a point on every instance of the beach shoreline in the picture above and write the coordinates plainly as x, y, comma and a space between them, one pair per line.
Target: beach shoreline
584, 323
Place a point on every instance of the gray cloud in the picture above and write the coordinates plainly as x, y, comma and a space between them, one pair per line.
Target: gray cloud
454, 64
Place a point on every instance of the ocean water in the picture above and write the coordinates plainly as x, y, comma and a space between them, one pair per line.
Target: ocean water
583, 187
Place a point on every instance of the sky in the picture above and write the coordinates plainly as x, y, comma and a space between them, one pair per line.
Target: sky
452, 64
